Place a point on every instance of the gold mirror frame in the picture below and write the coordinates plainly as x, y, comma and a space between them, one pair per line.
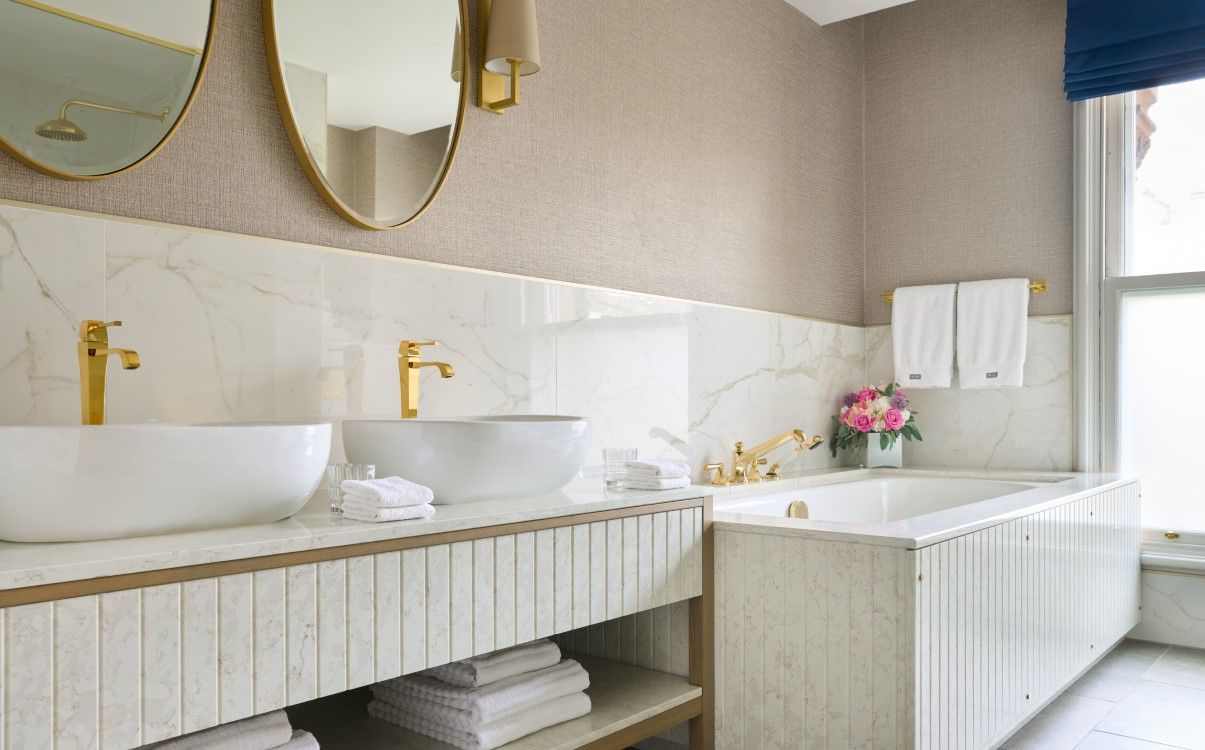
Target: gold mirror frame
316, 178
38, 166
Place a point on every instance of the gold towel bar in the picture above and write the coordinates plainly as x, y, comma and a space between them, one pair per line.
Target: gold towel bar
1036, 286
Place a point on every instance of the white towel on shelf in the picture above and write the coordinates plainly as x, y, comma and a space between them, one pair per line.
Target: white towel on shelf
300, 741
922, 335
473, 708
488, 668
387, 492
652, 483
993, 321
492, 735
268, 730
372, 514
661, 468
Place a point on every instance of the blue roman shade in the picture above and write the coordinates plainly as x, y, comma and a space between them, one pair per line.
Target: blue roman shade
1125, 45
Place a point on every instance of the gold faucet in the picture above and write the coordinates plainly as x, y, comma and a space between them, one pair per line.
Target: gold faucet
745, 463
409, 360
94, 354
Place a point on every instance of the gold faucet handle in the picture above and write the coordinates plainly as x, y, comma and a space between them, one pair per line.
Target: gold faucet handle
89, 327
412, 347
773, 472
719, 478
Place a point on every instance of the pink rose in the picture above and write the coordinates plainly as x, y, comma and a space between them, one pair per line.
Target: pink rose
867, 394
893, 419
863, 422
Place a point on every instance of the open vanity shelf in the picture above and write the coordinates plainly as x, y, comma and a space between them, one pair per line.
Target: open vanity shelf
629, 704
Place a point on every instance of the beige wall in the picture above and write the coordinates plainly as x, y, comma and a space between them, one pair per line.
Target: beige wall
709, 150
968, 147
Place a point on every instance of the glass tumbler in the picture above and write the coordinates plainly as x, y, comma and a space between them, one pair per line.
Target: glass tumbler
336, 473
614, 466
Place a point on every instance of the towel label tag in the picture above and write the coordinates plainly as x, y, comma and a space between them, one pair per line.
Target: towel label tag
914, 376
991, 375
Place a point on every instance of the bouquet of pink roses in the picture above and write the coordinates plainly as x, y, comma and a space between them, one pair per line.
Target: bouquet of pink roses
882, 410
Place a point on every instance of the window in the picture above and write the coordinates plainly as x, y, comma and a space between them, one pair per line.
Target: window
1152, 298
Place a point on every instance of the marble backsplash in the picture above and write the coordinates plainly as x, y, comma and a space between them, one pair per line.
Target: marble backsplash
240, 328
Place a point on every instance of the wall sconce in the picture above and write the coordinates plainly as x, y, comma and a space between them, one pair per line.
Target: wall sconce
510, 47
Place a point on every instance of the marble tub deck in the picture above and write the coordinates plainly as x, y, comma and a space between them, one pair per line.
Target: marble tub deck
1141, 696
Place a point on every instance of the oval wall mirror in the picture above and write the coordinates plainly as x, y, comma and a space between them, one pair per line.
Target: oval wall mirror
372, 96
91, 88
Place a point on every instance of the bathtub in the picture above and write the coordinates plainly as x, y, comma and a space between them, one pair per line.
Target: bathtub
914, 609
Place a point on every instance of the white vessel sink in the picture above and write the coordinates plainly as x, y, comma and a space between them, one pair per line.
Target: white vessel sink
473, 458
67, 484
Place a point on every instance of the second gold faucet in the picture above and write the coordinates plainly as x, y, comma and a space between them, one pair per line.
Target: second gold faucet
409, 362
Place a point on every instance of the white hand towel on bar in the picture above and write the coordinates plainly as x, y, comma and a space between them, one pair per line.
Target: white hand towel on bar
493, 735
993, 319
473, 708
922, 335
652, 483
487, 668
301, 741
268, 730
387, 492
373, 514
660, 468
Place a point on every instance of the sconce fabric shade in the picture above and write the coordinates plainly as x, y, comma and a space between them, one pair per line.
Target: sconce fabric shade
512, 34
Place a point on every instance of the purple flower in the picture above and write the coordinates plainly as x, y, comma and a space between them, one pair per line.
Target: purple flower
899, 401
849, 399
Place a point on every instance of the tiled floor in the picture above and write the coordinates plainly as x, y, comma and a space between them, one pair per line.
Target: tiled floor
1142, 696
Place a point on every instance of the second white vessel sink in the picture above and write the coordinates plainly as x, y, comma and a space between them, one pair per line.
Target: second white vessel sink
473, 458
68, 484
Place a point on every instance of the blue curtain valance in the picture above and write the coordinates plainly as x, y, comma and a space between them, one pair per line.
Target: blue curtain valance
1124, 45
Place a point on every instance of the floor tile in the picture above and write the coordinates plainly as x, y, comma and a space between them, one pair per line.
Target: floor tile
1154, 711
1106, 741
1179, 666
1119, 671
1062, 725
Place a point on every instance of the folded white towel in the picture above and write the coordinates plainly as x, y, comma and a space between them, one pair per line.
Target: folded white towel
488, 668
652, 483
493, 735
662, 468
387, 492
922, 335
993, 321
300, 741
268, 730
378, 515
473, 708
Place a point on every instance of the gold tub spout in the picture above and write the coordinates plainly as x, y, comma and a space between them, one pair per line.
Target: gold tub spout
745, 461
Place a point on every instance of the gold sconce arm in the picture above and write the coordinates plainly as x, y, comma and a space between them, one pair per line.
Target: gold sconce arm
513, 100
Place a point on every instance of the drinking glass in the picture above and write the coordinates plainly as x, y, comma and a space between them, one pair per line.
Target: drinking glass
336, 473
614, 466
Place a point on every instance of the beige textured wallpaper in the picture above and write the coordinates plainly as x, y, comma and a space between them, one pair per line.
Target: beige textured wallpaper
710, 150
968, 147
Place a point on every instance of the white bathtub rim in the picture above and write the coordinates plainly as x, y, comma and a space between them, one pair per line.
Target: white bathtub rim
921, 531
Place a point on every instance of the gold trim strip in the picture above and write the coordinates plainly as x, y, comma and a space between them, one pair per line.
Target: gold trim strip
125, 581
109, 27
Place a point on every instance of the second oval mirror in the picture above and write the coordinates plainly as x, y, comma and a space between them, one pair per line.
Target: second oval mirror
372, 95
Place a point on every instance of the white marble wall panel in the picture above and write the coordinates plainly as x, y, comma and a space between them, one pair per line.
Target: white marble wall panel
998, 428
118, 670
1173, 608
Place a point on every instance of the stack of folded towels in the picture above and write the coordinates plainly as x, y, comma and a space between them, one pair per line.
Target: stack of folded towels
658, 474
270, 731
487, 701
387, 499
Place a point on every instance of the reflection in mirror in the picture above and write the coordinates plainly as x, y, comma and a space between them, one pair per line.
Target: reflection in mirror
371, 91
92, 87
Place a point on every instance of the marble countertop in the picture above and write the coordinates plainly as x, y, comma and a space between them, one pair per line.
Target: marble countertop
311, 528
1048, 489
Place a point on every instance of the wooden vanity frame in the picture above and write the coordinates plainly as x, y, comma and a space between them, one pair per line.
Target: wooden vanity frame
698, 711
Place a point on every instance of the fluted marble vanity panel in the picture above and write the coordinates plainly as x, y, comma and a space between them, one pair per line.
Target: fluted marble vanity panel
119, 669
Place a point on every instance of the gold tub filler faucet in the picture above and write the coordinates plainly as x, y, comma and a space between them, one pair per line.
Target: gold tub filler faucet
745, 463
409, 362
94, 352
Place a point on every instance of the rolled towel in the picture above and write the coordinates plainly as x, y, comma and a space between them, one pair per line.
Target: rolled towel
492, 735
387, 492
371, 514
268, 730
488, 668
660, 468
473, 708
652, 483
300, 741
